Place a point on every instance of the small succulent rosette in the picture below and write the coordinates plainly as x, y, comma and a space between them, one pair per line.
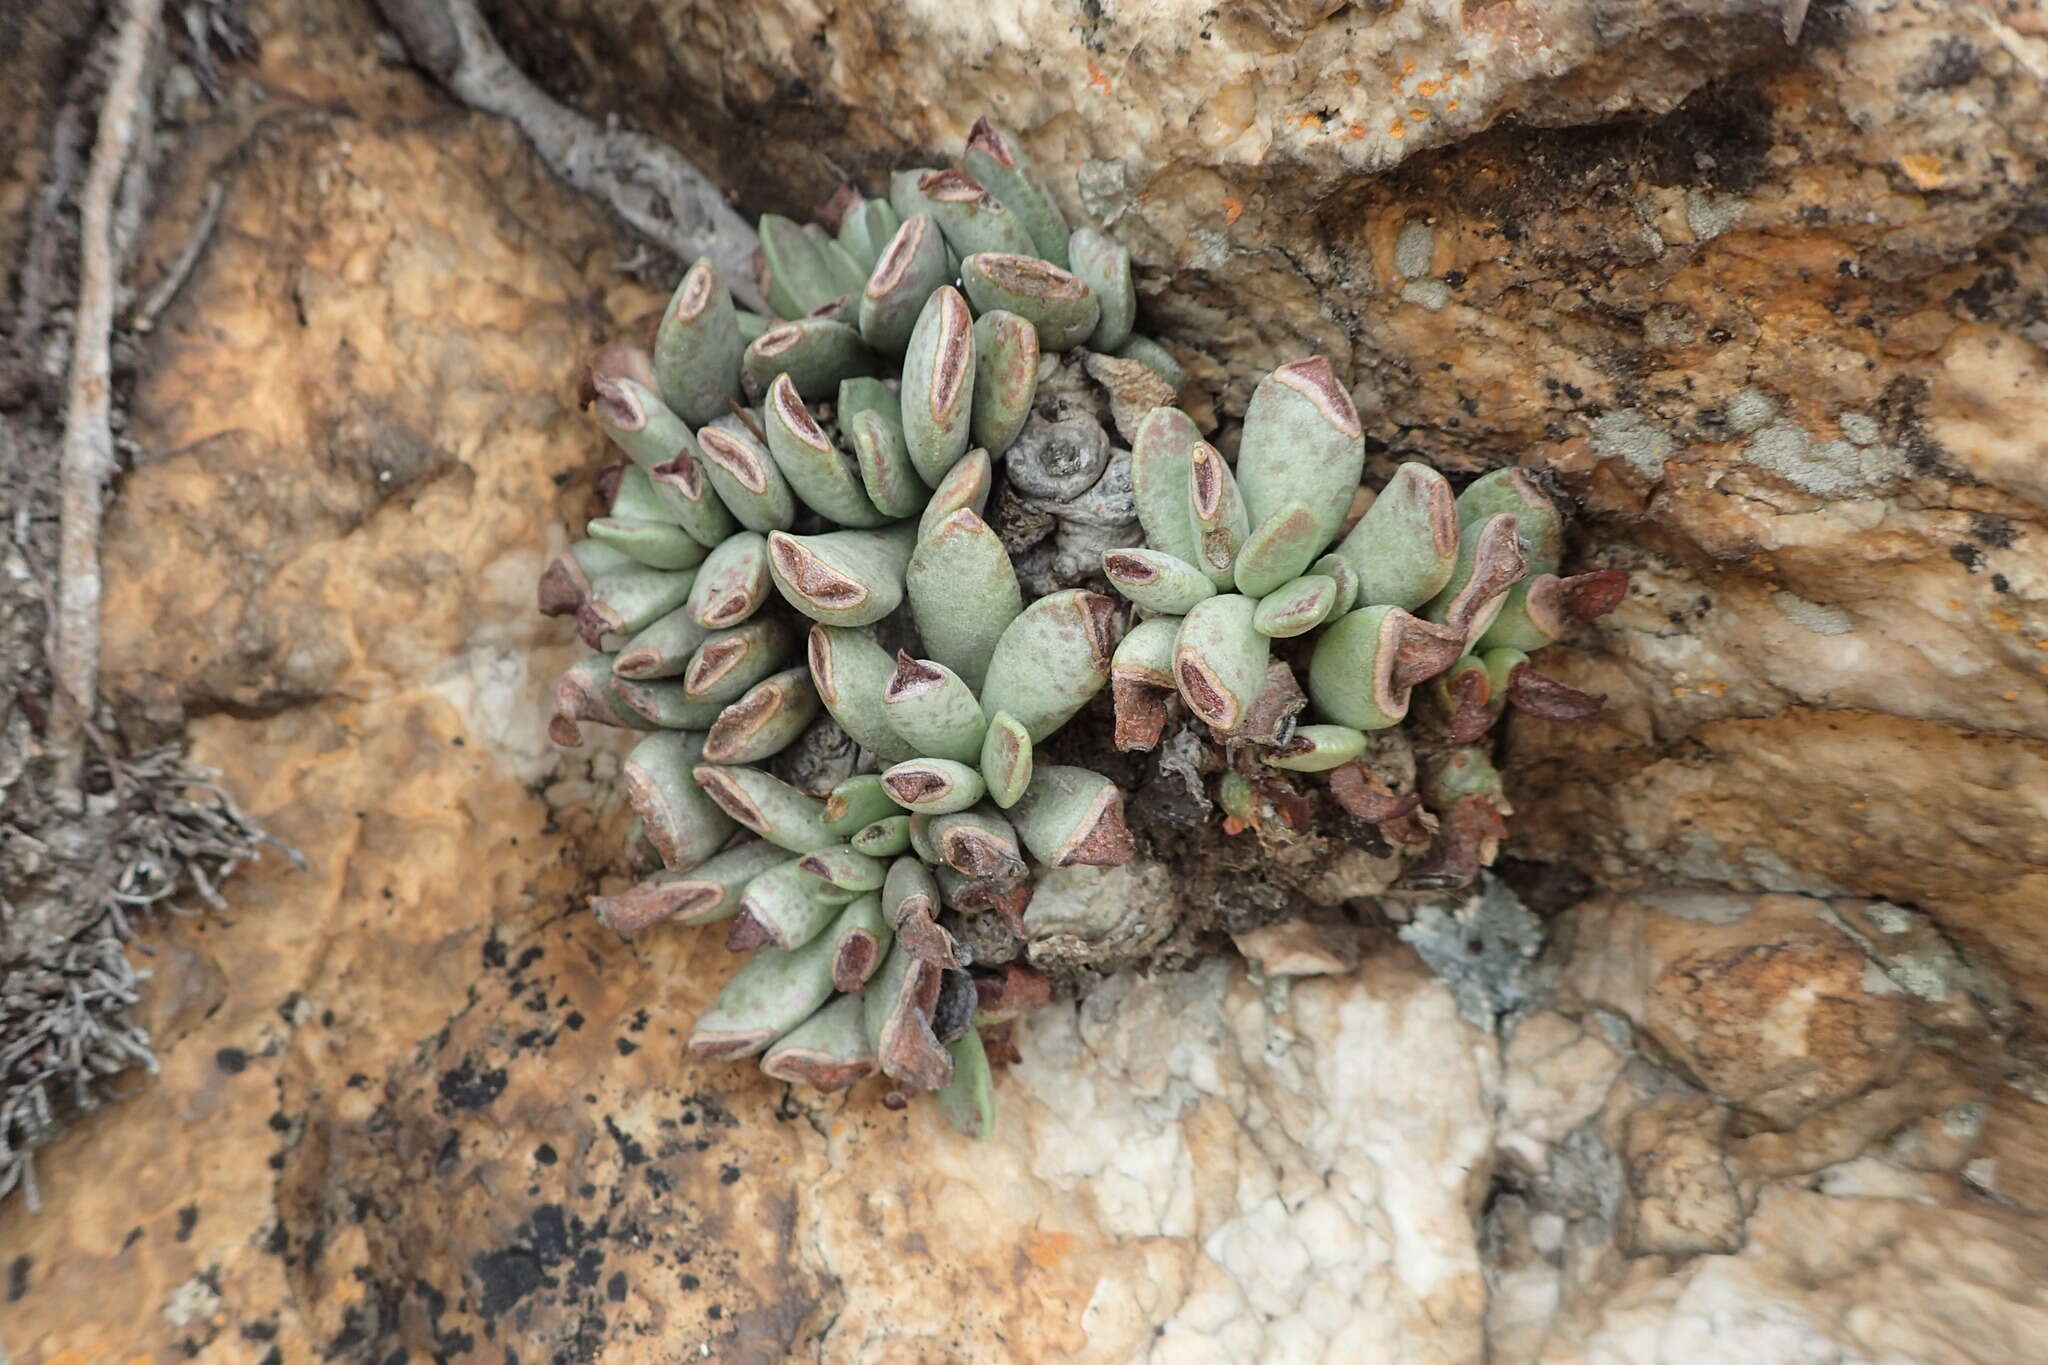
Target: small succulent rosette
1250, 573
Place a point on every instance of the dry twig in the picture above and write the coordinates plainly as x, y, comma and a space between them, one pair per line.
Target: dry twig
88, 459
648, 183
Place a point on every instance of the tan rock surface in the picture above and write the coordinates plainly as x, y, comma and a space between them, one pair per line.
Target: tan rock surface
1783, 346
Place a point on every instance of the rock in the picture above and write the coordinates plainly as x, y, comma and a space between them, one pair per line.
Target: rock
1765, 312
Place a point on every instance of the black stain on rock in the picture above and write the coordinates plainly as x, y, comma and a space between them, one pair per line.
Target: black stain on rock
467, 1087
548, 1240
630, 1151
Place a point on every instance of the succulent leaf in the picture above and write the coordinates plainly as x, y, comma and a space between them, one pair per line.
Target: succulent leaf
1050, 660
828, 1052
684, 827
964, 594
823, 478
934, 710
1219, 660
1059, 305
911, 268
1156, 581
697, 347
842, 578
850, 671
768, 806
938, 384
773, 993
994, 158
1104, 265
1005, 379
1303, 444
1402, 551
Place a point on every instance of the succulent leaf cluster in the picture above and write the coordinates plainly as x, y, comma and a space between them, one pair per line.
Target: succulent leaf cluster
1423, 586
796, 561
847, 665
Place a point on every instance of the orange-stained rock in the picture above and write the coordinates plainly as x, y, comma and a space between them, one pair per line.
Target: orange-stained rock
1776, 335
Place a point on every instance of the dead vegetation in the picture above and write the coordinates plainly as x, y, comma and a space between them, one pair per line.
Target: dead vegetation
92, 837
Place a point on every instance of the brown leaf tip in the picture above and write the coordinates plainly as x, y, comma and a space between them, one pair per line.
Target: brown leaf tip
1421, 649
1314, 380
778, 340
683, 471
1591, 595
810, 577
695, 294
1098, 620
1539, 694
951, 187
831, 215
614, 405
1204, 695
911, 785
1129, 568
1103, 839
953, 364
979, 852
1031, 276
1470, 717
789, 406
720, 787
826, 1075
746, 933
714, 660
1206, 480
1140, 710
911, 675
609, 365
563, 586
985, 137
740, 721
853, 961
894, 265
735, 457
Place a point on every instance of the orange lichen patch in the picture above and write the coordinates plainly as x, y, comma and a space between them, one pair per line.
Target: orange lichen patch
1428, 88
1923, 169
1408, 67
1712, 687
1351, 78
1399, 130
1233, 209
1451, 108
1047, 1249
1097, 79
1354, 132
1307, 119
1417, 115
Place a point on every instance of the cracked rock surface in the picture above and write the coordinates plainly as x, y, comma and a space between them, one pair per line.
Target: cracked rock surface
1772, 314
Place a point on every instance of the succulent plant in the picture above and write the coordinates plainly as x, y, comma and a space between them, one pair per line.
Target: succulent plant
1420, 586
844, 681
846, 588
